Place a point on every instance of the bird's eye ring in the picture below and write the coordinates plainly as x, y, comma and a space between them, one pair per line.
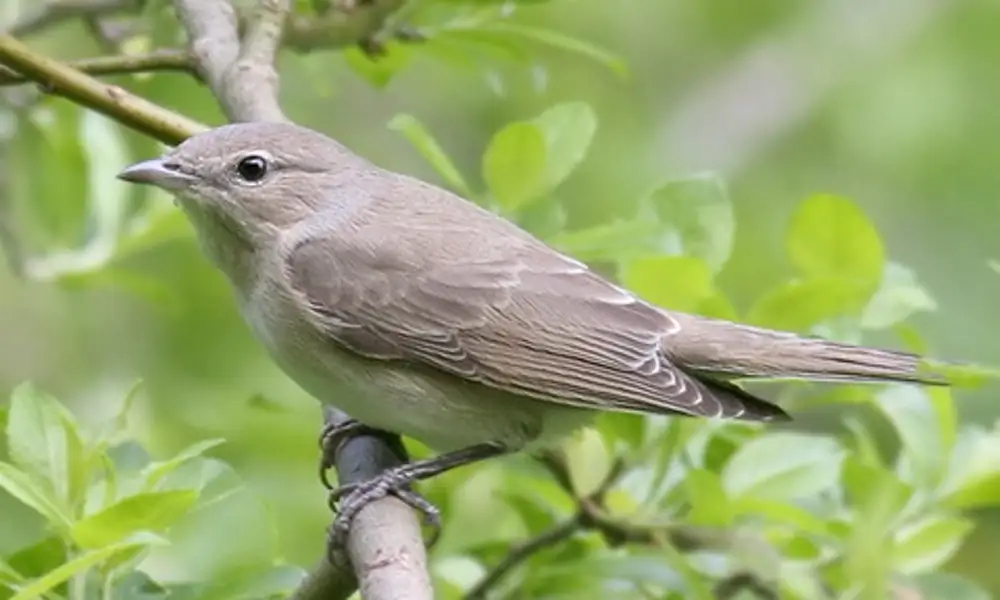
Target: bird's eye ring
252, 169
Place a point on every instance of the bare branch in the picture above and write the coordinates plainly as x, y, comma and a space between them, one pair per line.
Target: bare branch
46, 14
339, 28
520, 553
162, 60
113, 101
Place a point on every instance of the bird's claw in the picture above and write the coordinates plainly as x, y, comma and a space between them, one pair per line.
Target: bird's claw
332, 437
352, 498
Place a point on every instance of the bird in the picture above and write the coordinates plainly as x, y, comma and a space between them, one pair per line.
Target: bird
420, 313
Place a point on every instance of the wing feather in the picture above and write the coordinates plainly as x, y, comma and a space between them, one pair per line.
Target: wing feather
520, 318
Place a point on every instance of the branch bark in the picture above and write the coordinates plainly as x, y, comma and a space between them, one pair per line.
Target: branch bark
113, 101
385, 546
162, 60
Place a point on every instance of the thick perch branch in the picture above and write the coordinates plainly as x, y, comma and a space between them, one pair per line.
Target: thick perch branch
385, 545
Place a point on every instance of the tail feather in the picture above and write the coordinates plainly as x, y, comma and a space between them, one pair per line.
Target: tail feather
725, 348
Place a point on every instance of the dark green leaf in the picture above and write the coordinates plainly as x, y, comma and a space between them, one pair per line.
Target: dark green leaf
514, 165
698, 211
151, 511
432, 152
830, 237
783, 466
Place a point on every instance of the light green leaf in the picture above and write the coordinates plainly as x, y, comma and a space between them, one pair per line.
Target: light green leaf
708, 499
40, 587
44, 442
618, 241
698, 211
514, 165
830, 237
871, 485
154, 472
560, 41
150, 511
378, 72
674, 282
946, 586
588, 461
928, 544
783, 465
974, 470
424, 142
801, 305
568, 128
910, 411
899, 296
9, 576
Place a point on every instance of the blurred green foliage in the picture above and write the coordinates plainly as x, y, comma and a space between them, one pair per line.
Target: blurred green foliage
676, 146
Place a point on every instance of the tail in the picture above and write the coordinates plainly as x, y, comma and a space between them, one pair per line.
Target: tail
729, 349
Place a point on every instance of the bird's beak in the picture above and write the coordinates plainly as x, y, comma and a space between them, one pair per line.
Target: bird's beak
156, 172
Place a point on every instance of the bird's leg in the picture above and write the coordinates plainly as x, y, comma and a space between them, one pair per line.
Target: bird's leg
396, 481
334, 435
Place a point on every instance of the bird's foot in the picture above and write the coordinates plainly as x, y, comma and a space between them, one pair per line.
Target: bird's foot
348, 500
334, 435
396, 481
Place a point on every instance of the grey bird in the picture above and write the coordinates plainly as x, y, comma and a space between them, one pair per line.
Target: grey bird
419, 313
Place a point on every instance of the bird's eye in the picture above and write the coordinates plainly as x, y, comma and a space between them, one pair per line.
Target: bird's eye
252, 168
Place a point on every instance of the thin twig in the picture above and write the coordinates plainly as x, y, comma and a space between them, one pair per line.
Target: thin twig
161, 60
520, 553
46, 14
113, 101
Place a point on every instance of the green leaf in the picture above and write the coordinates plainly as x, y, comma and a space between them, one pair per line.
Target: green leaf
801, 305
379, 71
22, 487
899, 297
783, 466
560, 41
910, 411
44, 442
830, 237
698, 211
929, 543
424, 142
870, 485
617, 241
514, 165
568, 128
149, 511
708, 499
674, 282
39, 587
155, 472
588, 461
946, 586
974, 471
274, 582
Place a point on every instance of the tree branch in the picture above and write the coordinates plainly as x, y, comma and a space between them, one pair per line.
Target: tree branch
46, 14
113, 101
161, 60
385, 546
